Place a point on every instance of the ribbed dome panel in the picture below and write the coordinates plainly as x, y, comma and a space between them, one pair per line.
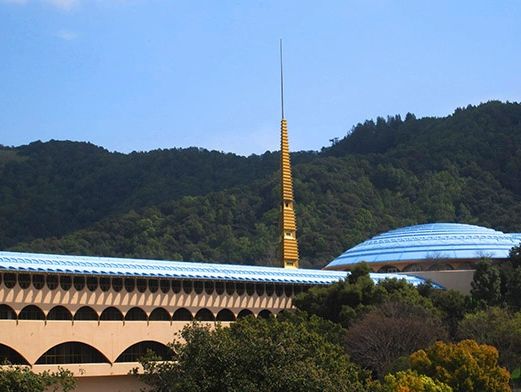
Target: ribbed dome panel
428, 242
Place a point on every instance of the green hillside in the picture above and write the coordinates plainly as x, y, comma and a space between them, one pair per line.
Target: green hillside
194, 204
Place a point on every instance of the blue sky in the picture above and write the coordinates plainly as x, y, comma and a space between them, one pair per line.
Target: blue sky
145, 74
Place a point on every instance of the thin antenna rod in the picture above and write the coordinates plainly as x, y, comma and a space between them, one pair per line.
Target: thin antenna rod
281, 81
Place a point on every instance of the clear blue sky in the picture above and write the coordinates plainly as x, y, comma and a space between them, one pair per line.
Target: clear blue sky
144, 74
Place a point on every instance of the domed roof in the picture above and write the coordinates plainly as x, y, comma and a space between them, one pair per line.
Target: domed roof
430, 241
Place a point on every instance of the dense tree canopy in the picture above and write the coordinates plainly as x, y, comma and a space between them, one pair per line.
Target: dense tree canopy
22, 379
255, 355
465, 366
194, 204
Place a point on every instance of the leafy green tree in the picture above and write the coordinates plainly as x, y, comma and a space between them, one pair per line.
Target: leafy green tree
411, 381
513, 289
515, 256
453, 306
22, 379
332, 332
344, 301
497, 327
255, 355
465, 366
486, 285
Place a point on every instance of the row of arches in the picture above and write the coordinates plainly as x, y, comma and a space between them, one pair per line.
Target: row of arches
389, 268
142, 285
86, 313
78, 352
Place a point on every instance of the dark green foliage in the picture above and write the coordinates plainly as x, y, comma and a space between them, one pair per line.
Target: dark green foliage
515, 256
345, 301
255, 355
486, 285
22, 379
453, 305
513, 292
195, 204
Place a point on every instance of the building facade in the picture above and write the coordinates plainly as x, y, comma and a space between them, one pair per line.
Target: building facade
97, 316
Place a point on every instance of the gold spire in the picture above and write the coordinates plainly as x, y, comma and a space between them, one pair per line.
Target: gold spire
288, 225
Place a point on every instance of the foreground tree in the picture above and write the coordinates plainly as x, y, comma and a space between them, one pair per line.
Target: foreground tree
22, 379
453, 306
466, 366
497, 327
391, 331
486, 285
255, 355
345, 301
410, 381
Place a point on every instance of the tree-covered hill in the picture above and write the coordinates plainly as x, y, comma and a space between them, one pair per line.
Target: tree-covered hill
193, 204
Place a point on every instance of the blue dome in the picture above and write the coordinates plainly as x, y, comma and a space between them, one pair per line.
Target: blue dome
428, 242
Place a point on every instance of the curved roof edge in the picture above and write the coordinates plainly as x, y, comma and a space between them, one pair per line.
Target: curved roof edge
125, 267
431, 241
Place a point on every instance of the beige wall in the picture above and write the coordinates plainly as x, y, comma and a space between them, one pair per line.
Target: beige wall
459, 280
32, 338
109, 384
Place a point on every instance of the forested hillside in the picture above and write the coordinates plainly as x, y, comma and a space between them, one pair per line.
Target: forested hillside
194, 204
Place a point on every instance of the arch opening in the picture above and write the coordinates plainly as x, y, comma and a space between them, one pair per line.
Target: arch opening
86, 313
7, 354
389, 269
79, 283
24, 281
440, 267
92, 283
204, 315
159, 314
259, 289
225, 315
7, 313
182, 314
138, 350
230, 288
31, 312
71, 352
38, 282
9, 280
244, 313
136, 314
164, 285
52, 282
130, 284
413, 268
111, 314
153, 285
65, 282
208, 287
117, 284
59, 313
265, 314
187, 286
104, 284
176, 286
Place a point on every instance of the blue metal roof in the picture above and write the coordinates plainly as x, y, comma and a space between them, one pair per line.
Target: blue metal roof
83, 265
430, 241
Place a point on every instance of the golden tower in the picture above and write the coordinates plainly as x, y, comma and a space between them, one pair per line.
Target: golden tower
288, 224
